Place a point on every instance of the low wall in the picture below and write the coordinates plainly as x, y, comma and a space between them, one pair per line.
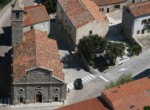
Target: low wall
83, 60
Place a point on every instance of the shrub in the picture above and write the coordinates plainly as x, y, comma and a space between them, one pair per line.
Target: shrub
135, 49
125, 78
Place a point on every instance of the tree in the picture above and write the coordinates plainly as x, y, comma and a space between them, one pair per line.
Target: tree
50, 5
114, 50
91, 46
125, 78
135, 49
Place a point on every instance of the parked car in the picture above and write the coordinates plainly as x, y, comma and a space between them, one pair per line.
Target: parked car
78, 83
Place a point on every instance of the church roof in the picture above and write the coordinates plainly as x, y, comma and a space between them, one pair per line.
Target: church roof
36, 50
35, 14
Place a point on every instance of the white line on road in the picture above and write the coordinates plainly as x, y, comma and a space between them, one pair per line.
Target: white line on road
89, 77
84, 80
92, 76
103, 78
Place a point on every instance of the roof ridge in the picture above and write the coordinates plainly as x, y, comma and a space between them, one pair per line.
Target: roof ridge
34, 34
86, 8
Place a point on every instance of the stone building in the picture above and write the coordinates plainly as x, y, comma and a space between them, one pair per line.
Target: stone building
36, 70
107, 6
27, 18
135, 19
79, 18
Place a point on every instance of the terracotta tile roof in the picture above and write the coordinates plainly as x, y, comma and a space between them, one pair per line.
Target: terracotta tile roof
135, 95
36, 51
94, 10
141, 8
35, 14
108, 2
80, 11
91, 104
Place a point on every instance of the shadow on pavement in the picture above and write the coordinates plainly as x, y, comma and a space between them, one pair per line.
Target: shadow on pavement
5, 38
5, 74
72, 61
145, 73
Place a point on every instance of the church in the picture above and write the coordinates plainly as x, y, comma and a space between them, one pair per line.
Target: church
37, 75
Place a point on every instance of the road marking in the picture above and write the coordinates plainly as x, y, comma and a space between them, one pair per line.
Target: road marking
70, 86
92, 76
84, 80
89, 77
103, 78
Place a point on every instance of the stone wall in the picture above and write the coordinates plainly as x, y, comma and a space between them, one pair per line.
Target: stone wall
44, 26
17, 27
112, 7
46, 85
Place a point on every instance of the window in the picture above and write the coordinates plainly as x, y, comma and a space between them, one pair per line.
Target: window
148, 20
117, 6
90, 32
31, 27
17, 15
138, 31
56, 89
143, 30
21, 90
144, 21
107, 10
102, 9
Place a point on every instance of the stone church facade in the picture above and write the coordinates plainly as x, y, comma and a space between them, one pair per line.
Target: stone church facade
38, 86
36, 70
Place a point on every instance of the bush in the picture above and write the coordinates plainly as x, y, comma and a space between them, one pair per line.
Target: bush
135, 49
125, 78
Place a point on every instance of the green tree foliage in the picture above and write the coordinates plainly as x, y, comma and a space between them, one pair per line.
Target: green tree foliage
3, 3
114, 50
135, 49
146, 108
91, 46
50, 5
125, 78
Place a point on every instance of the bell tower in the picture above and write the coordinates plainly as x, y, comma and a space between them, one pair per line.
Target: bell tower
17, 21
